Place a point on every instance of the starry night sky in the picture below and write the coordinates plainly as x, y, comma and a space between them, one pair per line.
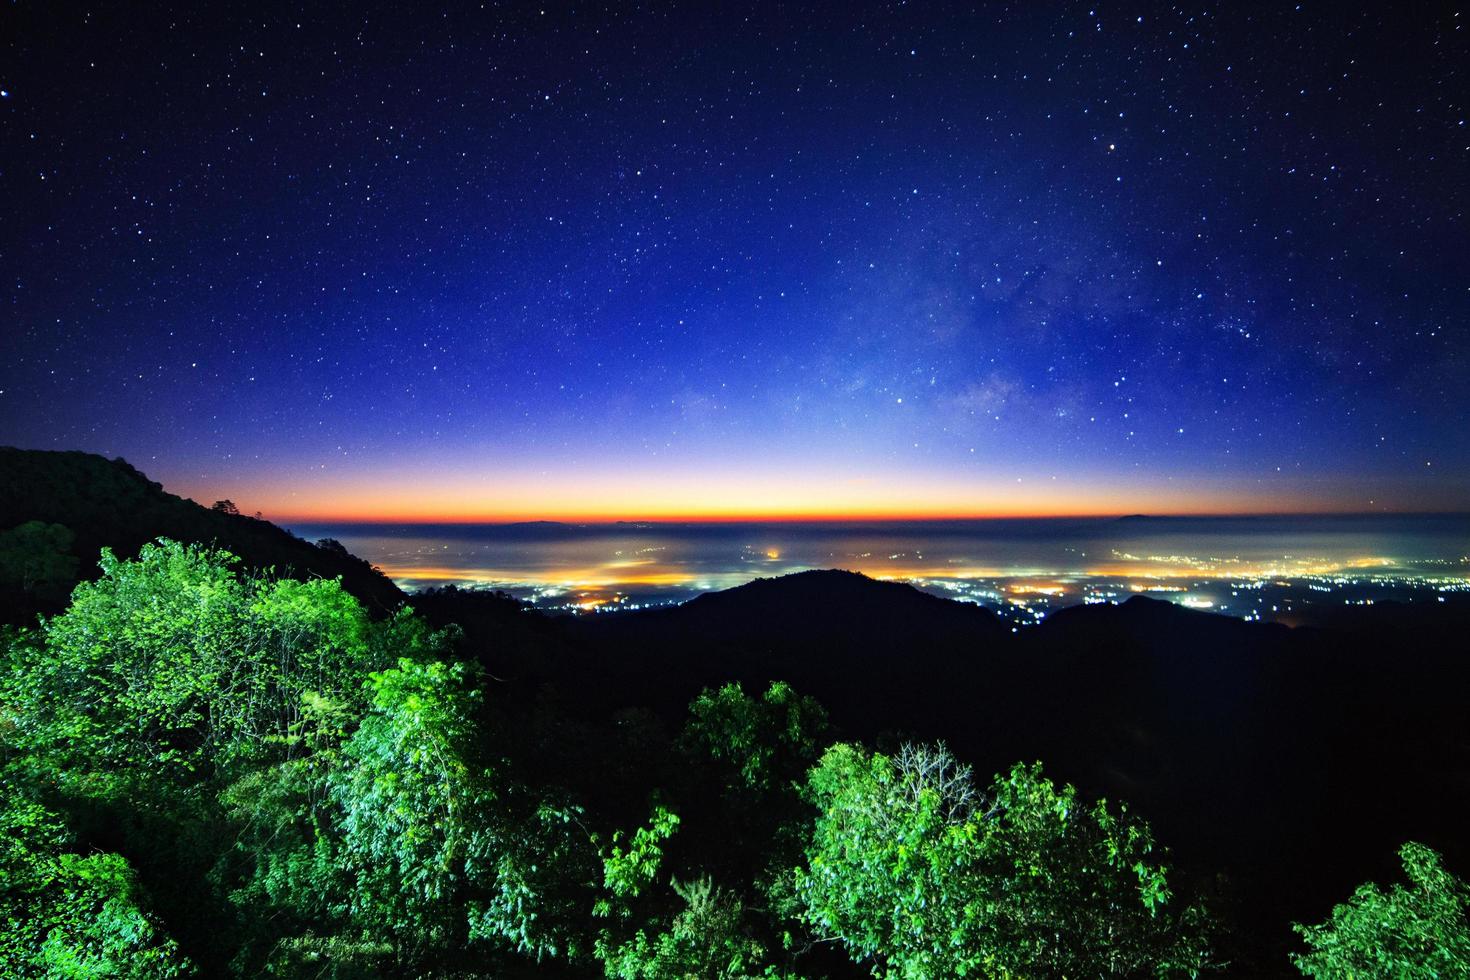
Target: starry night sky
554, 261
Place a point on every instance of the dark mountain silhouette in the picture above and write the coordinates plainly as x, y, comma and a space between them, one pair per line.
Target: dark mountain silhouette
845, 609
109, 503
1292, 761
824, 630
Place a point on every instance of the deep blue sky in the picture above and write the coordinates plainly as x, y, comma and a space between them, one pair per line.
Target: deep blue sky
551, 260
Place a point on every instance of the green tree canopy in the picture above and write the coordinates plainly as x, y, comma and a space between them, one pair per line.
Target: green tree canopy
188, 712
70, 915
705, 892
921, 876
172, 669
1416, 933
411, 797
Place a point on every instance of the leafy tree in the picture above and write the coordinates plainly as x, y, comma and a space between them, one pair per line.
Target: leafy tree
699, 931
751, 756
172, 670
69, 915
225, 507
707, 939
919, 875
357, 849
194, 716
769, 742
439, 850
710, 901
287, 877
1421, 931
411, 793
351, 815
535, 871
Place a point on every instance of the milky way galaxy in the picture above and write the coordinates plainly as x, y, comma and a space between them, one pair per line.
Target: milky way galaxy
712, 259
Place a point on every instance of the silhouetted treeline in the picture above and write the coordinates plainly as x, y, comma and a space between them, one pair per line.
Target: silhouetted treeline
107, 503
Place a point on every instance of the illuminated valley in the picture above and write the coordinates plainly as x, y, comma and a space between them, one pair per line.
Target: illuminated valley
1022, 570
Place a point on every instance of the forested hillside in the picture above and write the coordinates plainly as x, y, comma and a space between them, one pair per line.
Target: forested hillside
59, 509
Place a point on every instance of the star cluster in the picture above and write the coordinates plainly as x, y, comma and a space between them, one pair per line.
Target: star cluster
558, 260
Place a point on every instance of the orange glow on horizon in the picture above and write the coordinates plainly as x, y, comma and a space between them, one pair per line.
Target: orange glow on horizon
392, 512
428, 492
695, 515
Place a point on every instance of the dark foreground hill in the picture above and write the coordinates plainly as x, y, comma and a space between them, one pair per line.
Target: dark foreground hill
1290, 762
108, 503
837, 631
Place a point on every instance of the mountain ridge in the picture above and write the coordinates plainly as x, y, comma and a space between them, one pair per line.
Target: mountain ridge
110, 503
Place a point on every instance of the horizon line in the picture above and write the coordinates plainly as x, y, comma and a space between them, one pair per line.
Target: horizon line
787, 518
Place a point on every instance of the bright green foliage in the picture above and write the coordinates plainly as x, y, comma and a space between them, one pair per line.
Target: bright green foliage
291, 870
439, 851
19, 650
335, 820
766, 742
704, 903
705, 940
172, 670
36, 558
631, 867
68, 915
705, 936
752, 755
203, 716
309, 793
536, 868
312, 957
411, 798
1416, 933
920, 876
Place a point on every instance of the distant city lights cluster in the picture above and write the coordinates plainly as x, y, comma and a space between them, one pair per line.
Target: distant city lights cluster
1292, 592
